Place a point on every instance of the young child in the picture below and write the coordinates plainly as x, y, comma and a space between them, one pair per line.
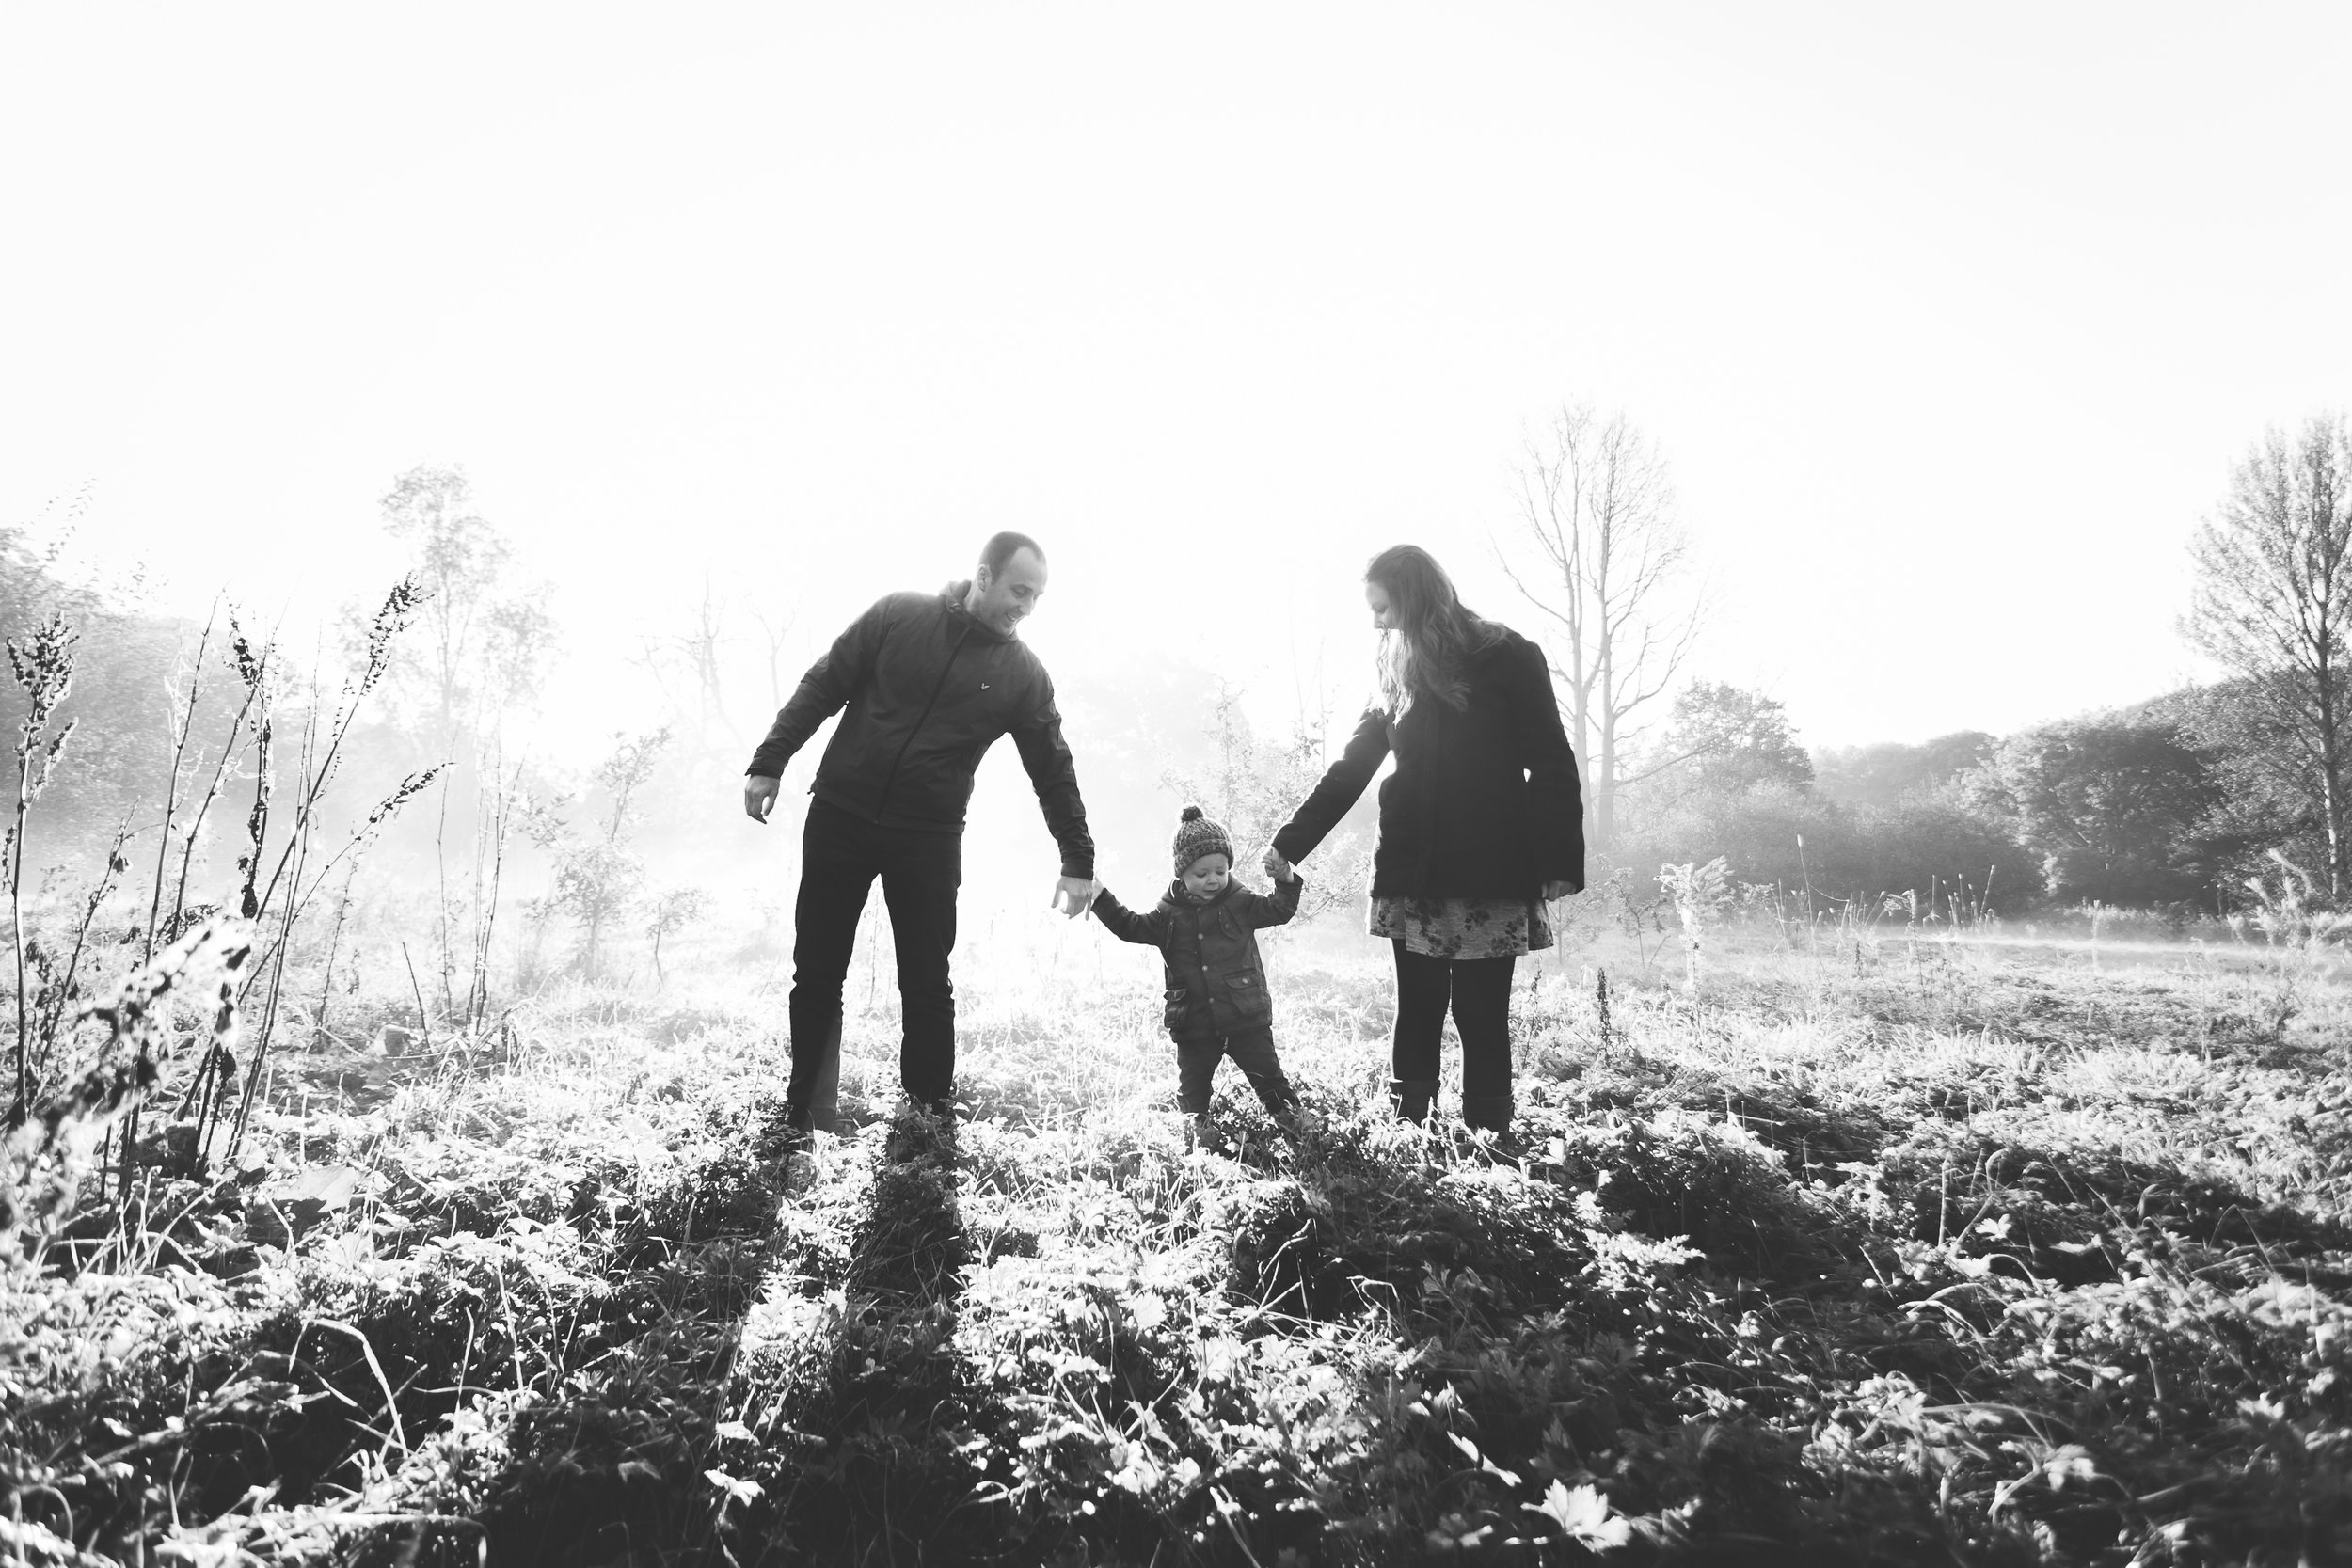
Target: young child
1206, 927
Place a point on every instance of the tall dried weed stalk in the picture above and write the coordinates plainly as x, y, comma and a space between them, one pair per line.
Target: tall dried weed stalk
44, 1153
43, 667
300, 868
280, 871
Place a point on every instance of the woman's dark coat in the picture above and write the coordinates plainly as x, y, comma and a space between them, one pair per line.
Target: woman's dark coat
1484, 803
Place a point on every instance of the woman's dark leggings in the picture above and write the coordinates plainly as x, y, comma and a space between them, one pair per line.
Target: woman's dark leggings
1479, 992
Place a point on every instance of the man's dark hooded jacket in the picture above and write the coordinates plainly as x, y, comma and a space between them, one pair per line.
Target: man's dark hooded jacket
927, 689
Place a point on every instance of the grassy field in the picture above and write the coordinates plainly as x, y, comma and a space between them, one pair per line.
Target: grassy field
1869, 1246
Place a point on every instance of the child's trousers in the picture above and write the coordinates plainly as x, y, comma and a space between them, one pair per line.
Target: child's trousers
1252, 1050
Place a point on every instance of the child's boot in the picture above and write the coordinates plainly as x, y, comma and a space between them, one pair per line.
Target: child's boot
1299, 1125
1200, 1132
1411, 1098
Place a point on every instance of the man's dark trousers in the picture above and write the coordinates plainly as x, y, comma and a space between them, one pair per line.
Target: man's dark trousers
921, 869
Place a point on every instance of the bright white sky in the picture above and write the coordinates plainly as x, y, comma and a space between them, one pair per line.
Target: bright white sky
1950, 319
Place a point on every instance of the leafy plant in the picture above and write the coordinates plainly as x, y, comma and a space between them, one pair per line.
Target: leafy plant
600, 880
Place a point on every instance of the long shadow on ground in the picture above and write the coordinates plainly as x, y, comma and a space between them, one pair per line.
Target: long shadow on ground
886, 1482
608, 1466
794, 1401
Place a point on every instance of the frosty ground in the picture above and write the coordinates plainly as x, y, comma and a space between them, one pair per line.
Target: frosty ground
1841, 1242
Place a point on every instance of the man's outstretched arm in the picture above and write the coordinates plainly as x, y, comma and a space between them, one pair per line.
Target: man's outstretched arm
1054, 774
822, 693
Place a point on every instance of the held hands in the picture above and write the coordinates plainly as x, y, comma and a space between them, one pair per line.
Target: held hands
1559, 887
759, 796
1075, 895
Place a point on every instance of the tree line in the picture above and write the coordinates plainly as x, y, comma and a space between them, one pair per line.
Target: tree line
2178, 799
2184, 798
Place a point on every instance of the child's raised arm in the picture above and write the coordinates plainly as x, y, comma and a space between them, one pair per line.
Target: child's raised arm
1276, 907
1150, 930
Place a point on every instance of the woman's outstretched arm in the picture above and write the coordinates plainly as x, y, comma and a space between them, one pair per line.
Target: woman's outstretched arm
1343, 783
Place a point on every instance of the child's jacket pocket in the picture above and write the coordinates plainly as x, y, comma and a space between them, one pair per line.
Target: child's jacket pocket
1172, 1014
1241, 1000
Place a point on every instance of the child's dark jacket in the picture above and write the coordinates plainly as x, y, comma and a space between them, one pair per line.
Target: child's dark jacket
1216, 980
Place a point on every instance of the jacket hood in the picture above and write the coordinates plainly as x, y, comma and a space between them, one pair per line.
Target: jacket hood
952, 596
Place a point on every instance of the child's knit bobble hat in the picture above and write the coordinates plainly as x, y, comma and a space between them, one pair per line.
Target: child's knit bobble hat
1196, 837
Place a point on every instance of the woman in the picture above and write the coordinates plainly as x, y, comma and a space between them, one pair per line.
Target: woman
1480, 824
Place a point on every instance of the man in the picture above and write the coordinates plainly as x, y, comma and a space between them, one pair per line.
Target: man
929, 681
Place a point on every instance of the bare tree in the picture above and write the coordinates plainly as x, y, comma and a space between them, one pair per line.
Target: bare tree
773, 635
487, 639
690, 665
485, 644
2273, 600
1600, 551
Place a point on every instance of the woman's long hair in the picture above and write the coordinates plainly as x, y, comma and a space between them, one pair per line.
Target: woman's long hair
1432, 635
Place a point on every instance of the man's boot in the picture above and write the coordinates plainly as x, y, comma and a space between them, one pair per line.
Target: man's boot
795, 1161
824, 1099
793, 1128
1411, 1098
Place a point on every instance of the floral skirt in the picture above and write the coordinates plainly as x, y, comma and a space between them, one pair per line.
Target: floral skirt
1463, 928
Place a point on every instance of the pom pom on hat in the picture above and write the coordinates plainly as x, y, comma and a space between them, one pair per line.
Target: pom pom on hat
1198, 834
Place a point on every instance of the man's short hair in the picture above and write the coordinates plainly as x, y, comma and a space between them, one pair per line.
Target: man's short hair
1002, 547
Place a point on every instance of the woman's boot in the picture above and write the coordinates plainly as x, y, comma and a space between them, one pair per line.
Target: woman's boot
1411, 1098
1490, 1113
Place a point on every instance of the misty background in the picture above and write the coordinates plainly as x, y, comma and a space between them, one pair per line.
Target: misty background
660, 351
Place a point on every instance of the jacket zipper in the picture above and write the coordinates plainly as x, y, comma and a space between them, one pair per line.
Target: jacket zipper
889, 784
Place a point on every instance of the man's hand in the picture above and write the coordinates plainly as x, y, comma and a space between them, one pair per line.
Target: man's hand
759, 796
1075, 895
1276, 866
1559, 887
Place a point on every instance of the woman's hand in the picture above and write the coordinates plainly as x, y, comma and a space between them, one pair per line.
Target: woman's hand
1559, 887
1276, 866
